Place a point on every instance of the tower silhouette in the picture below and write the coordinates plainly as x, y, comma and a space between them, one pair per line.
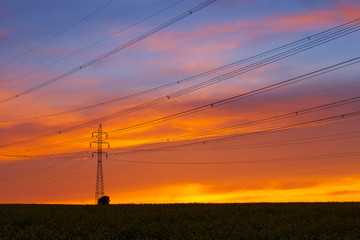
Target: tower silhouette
99, 189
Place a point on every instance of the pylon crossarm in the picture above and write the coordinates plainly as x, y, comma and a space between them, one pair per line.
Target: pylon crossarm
108, 144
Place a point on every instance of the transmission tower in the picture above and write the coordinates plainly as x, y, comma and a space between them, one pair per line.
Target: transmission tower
99, 190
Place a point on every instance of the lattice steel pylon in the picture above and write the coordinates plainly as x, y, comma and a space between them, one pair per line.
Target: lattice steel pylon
99, 189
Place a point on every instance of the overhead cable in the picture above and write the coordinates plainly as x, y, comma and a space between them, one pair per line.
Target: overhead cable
183, 113
55, 35
304, 43
255, 133
256, 161
89, 46
111, 52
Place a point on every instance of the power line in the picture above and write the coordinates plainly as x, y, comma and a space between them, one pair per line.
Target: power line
91, 45
60, 175
47, 156
44, 165
205, 84
56, 35
113, 51
269, 119
256, 161
178, 93
326, 138
54, 178
230, 99
183, 113
45, 180
236, 136
49, 178
255, 122
314, 39
42, 162
321, 138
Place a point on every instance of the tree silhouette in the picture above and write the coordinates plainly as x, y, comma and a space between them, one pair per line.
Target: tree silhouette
104, 200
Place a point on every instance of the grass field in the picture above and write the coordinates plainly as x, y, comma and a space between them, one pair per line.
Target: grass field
182, 221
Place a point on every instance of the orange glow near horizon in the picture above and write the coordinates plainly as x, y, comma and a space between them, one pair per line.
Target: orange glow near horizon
343, 189
196, 193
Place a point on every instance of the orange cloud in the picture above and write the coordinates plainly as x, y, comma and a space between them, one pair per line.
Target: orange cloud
219, 34
2, 33
304, 21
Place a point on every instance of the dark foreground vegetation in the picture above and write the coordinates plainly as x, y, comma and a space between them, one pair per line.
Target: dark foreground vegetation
182, 221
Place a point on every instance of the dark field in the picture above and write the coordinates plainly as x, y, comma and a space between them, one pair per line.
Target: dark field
182, 221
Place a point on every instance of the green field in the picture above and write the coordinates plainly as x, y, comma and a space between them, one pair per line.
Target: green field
182, 221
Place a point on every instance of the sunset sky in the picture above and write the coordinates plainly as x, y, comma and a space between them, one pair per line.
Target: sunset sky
67, 66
